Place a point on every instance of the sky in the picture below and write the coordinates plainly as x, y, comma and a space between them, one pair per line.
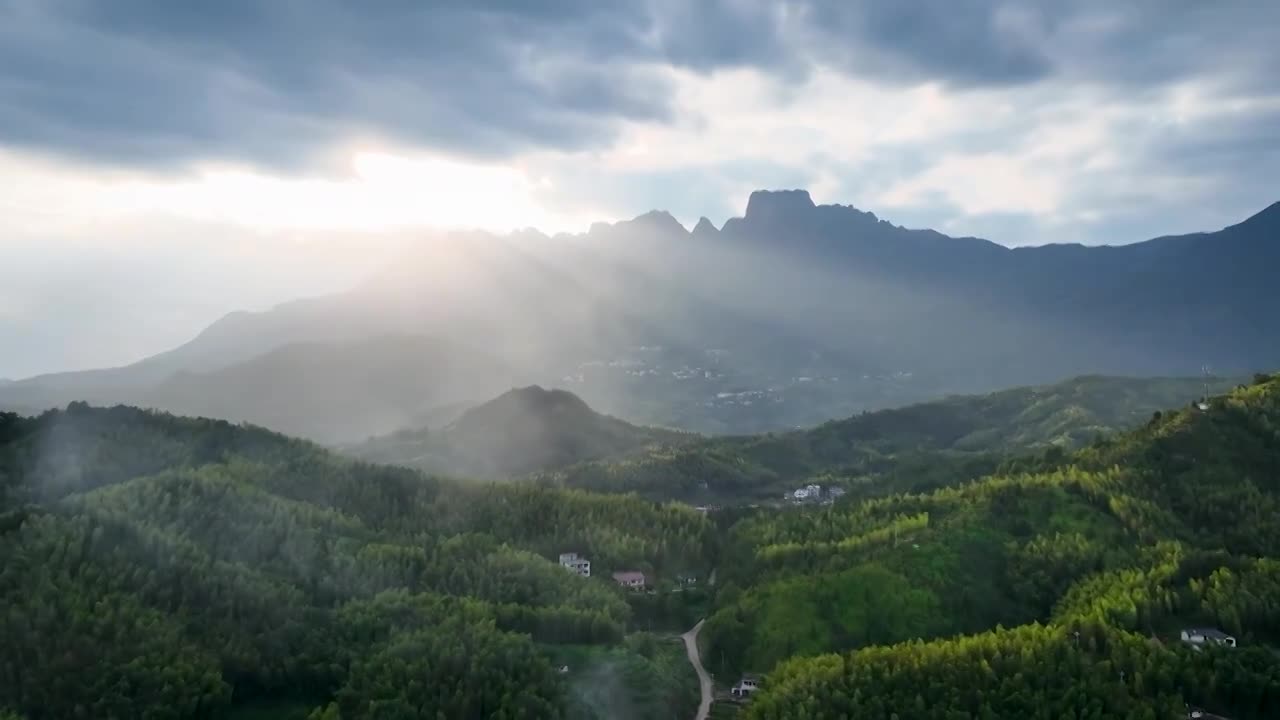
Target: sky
164, 163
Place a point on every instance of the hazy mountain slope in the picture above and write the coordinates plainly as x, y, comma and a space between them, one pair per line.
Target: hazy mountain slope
1067, 414
919, 445
519, 432
234, 338
787, 316
331, 392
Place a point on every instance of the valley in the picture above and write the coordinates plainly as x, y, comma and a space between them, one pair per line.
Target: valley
639, 360
277, 578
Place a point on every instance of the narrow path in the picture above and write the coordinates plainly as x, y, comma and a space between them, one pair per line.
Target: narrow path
704, 680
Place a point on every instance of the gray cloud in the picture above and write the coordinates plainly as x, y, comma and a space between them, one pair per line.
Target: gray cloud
156, 82
273, 82
960, 41
1153, 41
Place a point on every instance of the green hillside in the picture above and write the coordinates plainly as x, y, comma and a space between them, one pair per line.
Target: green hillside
164, 567
156, 566
912, 448
1054, 589
520, 432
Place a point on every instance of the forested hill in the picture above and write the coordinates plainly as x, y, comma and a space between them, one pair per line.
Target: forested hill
915, 447
155, 566
163, 567
1057, 588
521, 431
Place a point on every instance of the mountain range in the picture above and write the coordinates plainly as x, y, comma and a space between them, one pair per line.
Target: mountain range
787, 316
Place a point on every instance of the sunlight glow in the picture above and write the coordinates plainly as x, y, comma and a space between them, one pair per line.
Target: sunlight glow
383, 191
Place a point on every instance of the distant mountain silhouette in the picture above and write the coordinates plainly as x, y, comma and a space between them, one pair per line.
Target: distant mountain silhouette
788, 315
704, 229
327, 391
334, 391
521, 431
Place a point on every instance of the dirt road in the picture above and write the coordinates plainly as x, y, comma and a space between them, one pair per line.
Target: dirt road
704, 680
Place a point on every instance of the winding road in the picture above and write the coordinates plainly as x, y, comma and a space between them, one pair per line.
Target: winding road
704, 680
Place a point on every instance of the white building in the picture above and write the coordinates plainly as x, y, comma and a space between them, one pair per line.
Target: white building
808, 492
578, 565
1199, 637
747, 685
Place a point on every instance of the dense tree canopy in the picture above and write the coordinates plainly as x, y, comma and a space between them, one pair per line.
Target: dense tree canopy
1097, 559
161, 567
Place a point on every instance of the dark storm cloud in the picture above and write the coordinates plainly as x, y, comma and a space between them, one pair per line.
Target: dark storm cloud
1148, 42
959, 41
275, 81
272, 81
724, 33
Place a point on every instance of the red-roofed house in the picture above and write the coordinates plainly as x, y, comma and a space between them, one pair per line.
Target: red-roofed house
631, 579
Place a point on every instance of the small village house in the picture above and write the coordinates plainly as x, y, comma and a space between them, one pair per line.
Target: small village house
747, 685
630, 579
576, 564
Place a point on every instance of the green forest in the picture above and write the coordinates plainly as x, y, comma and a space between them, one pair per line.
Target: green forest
909, 449
162, 567
1055, 587
165, 567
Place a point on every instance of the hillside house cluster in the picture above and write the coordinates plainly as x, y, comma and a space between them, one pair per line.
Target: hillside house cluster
814, 493
576, 564
580, 566
809, 492
630, 579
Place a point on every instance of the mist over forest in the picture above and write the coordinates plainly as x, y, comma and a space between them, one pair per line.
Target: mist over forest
639, 359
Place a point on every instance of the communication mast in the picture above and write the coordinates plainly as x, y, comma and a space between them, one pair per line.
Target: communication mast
1204, 398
